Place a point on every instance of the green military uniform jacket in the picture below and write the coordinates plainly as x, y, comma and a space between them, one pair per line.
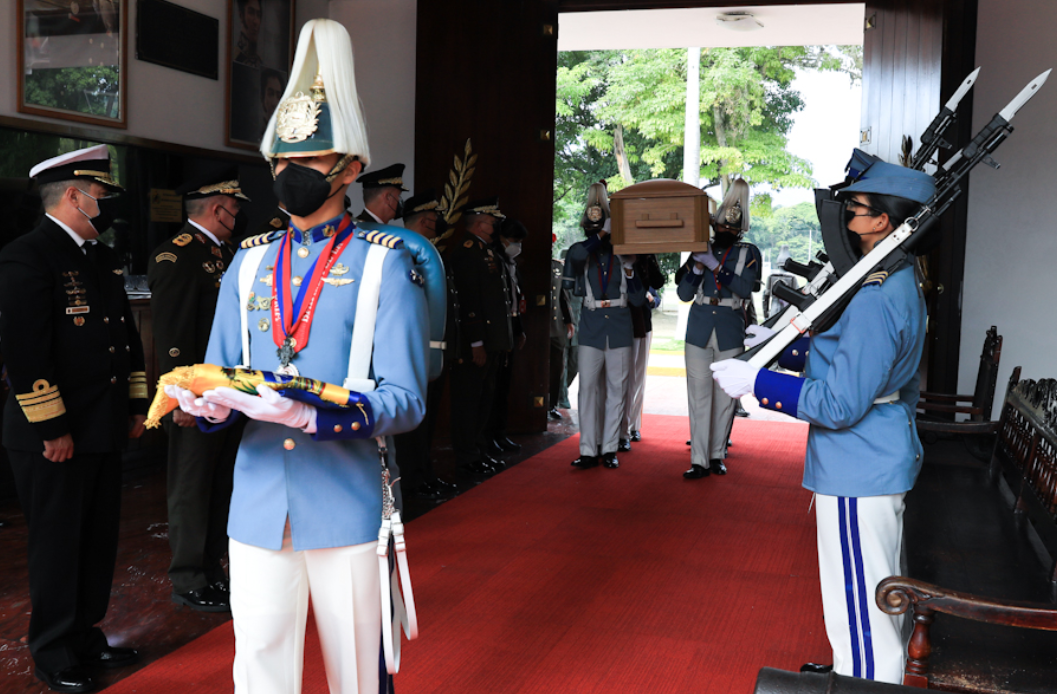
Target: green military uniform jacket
484, 304
184, 277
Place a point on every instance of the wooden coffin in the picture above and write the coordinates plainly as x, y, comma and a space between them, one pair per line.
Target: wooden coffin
660, 216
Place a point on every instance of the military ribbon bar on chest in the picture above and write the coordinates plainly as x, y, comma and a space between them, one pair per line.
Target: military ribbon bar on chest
292, 316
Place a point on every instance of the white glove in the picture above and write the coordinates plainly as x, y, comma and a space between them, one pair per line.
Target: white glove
269, 407
734, 376
755, 334
606, 225
196, 406
628, 261
706, 259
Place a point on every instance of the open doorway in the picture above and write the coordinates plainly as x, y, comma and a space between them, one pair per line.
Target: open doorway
779, 93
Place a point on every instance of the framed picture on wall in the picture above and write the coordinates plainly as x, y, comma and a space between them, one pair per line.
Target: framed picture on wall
260, 51
72, 60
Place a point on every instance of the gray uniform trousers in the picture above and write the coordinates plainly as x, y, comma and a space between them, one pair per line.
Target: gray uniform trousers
636, 388
603, 381
711, 410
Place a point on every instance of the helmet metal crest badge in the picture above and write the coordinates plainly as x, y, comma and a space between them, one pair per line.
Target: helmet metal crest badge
297, 119
733, 215
594, 213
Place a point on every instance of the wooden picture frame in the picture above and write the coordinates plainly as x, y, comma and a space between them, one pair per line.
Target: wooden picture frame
73, 60
257, 71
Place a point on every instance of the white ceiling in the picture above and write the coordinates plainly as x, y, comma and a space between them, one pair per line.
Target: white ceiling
796, 25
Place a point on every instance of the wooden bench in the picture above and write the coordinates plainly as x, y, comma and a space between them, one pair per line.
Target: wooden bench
990, 652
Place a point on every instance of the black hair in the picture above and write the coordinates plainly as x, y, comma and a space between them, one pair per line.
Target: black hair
512, 229
898, 209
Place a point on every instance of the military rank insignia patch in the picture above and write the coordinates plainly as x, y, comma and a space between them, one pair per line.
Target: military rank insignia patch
162, 257
468, 244
876, 279
183, 239
276, 223
118, 271
416, 278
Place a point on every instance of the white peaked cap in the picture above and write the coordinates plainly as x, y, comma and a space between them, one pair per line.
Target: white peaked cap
96, 153
324, 48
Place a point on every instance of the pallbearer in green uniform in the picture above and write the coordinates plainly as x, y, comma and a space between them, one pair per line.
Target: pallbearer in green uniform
75, 363
184, 275
381, 194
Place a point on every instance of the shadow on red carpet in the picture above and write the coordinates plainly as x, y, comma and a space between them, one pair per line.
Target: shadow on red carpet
552, 579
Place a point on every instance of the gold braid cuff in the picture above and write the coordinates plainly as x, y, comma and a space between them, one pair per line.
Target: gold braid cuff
202, 377
137, 385
43, 403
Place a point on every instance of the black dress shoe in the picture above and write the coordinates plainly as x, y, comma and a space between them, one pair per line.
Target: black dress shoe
113, 656
496, 463
689, 443
554, 414
507, 445
585, 462
740, 411
729, 443
425, 491
479, 467
717, 467
490, 447
206, 599
69, 679
636, 436
610, 461
221, 585
696, 472
816, 668
624, 445
443, 487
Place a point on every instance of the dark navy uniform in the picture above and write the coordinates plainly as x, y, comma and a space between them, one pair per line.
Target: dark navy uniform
561, 319
184, 275
75, 363
484, 313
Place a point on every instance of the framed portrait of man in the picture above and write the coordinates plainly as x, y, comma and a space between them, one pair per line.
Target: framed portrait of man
260, 50
72, 60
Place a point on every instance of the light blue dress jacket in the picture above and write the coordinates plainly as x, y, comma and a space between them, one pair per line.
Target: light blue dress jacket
855, 447
329, 484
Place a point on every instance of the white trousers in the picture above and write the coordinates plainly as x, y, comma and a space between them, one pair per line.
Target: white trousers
603, 374
711, 409
640, 357
269, 605
859, 544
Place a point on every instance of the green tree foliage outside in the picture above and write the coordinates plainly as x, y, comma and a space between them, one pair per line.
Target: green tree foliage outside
91, 90
638, 97
795, 226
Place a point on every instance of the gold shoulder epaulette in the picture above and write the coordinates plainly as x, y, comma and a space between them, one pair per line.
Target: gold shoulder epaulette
384, 239
276, 223
42, 403
182, 240
259, 240
876, 279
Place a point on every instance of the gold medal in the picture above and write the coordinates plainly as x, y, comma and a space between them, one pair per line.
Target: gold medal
302, 252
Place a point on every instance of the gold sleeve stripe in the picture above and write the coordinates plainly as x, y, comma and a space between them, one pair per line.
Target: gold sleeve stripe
137, 391
43, 409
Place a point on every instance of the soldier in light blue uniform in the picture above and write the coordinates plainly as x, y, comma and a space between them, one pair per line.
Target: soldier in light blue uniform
609, 284
307, 501
859, 393
720, 283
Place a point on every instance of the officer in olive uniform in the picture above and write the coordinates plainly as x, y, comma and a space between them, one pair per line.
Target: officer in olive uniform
562, 328
422, 215
75, 364
484, 312
184, 276
381, 194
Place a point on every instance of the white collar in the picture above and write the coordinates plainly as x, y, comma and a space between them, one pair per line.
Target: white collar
205, 231
77, 238
373, 215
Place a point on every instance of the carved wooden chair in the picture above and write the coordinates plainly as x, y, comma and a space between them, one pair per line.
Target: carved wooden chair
936, 411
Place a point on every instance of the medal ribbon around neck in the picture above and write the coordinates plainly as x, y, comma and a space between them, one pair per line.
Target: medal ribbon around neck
296, 321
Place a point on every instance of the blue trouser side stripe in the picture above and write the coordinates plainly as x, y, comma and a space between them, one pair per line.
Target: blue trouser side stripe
864, 597
849, 586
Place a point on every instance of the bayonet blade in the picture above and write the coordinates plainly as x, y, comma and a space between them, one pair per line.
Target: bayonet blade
1025, 96
967, 84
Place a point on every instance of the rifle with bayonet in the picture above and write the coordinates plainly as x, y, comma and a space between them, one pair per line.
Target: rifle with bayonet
834, 286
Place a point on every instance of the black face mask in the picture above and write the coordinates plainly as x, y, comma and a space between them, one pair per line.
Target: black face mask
399, 210
301, 190
238, 227
724, 239
107, 213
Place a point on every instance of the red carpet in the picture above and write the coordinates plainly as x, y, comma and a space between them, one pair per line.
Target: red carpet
552, 579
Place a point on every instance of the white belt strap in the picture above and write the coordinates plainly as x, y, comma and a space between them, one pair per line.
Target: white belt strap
734, 302
362, 345
251, 262
404, 613
885, 399
590, 303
